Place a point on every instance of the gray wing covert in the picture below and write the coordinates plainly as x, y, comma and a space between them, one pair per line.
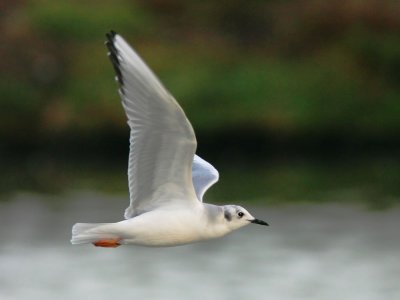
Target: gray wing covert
162, 140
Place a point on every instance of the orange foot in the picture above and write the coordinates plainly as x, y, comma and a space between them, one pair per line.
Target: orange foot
108, 243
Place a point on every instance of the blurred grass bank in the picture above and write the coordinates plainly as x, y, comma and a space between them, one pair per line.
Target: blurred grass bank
291, 100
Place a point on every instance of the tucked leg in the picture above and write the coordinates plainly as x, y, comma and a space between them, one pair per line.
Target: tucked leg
108, 243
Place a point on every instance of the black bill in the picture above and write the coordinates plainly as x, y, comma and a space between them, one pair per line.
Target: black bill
260, 222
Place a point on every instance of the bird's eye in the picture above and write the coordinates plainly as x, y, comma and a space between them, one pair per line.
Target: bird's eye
240, 214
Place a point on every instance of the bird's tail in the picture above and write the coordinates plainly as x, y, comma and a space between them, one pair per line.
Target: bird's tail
84, 233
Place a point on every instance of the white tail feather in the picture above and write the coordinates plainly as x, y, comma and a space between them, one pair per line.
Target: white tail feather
84, 233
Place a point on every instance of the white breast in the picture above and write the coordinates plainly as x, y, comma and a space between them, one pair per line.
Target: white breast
164, 228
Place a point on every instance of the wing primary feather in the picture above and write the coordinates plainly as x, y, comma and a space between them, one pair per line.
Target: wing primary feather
113, 55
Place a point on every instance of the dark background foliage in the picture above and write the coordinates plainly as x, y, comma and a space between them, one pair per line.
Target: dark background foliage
304, 93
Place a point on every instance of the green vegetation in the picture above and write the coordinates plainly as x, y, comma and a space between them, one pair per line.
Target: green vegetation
279, 65
299, 73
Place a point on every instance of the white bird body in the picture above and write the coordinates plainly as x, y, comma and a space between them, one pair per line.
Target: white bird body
177, 228
167, 180
162, 227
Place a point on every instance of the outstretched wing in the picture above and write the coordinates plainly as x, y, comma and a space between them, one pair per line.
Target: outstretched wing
204, 176
162, 141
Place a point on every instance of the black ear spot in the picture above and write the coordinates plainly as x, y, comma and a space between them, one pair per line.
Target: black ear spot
227, 215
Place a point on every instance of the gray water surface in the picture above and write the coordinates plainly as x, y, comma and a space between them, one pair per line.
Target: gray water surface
308, 252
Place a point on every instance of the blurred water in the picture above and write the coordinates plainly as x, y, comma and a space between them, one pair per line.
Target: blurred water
308, 252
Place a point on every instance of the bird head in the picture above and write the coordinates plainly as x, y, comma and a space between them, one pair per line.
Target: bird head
236, 216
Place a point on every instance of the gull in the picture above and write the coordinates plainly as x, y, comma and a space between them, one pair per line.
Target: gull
167, 180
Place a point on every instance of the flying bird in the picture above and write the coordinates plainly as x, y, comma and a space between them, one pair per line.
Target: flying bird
167, 180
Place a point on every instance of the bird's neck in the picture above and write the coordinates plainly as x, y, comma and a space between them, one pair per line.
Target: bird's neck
216, 224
